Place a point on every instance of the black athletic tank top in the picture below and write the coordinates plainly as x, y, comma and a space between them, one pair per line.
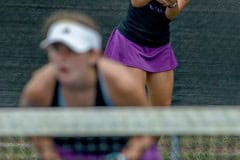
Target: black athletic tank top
90, 145
147, 26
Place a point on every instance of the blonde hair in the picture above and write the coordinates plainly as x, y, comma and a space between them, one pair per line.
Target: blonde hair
75, 16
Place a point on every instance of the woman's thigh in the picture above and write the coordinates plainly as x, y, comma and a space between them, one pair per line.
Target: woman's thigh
160, 87
139, 75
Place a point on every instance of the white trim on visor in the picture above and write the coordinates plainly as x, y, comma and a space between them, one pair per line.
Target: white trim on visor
76, 36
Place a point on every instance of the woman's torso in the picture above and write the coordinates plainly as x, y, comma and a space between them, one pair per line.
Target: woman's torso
147, 26
89, 145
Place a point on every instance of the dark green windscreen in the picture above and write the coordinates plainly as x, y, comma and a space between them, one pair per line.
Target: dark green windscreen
205, 37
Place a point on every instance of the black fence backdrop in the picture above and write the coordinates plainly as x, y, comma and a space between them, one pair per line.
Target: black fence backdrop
206, 39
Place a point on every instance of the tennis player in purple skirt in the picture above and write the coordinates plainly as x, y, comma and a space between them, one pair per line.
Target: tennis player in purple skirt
141, 42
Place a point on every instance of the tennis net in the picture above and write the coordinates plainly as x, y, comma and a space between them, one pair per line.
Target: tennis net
201, 133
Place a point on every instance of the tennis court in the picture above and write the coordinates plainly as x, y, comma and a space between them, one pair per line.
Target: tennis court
205, 38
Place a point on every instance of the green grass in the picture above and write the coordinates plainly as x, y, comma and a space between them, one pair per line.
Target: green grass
13, 148
192, 148
203, 148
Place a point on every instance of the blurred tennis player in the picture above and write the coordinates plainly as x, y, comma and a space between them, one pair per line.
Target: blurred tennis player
141, 42
78, 75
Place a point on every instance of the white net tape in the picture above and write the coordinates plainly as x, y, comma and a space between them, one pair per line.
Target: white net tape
215, 120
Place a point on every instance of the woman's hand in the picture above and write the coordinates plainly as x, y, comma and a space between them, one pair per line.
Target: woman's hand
174, 10
167, 2
49, 154
136, 147
45, 147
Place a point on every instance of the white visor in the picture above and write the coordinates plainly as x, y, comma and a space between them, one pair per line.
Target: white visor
77, 37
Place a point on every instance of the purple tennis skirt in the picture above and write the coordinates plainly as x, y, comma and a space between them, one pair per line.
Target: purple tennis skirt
151, 153
122, 50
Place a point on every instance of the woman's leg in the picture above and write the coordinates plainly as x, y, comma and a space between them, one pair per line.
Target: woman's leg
140, 77
160, 87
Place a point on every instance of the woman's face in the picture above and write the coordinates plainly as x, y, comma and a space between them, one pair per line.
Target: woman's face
70, 67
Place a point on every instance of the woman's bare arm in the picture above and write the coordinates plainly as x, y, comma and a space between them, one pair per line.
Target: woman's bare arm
38, 93
140, 3
124, 92
45, 148
39, 89
173, 12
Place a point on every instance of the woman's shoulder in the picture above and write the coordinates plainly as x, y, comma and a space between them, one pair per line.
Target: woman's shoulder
39, 89
121, 84
114, 72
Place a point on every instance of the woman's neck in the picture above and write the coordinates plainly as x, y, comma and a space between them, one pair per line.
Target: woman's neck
82, 93
84, 97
